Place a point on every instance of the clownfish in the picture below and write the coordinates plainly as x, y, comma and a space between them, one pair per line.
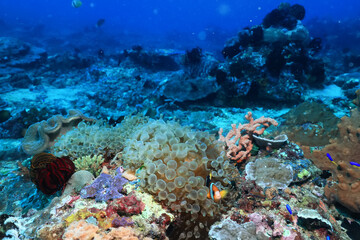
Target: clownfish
215, 194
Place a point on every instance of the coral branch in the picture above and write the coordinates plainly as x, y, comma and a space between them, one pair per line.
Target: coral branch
239, 141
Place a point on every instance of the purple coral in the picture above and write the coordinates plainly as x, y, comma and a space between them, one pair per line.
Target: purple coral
122, 222
105, 187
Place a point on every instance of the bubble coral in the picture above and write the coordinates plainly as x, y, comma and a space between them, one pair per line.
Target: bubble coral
174, 163
50, 173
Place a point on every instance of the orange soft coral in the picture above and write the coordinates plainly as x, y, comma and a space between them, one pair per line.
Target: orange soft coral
239, 141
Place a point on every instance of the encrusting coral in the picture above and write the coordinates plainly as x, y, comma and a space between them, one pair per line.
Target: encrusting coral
105, 187
347, 190
239, 140
41, 136
269, 172
343, 150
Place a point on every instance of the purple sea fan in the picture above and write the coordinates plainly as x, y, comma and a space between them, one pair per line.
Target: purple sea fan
105, 187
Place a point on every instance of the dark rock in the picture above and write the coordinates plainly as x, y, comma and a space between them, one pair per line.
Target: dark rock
15, 55
298, 11
231, 49
153, 60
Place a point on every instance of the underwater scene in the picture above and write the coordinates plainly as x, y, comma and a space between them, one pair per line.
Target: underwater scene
174, 120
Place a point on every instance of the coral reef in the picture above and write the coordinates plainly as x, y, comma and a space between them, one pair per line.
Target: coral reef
239, 139
228, 229
87, 231
176, 162
17, 56
347, 190
41, 136
274, 61
152, 165
310, 124
342, 150
77, 181
128, 205
285, 16
96, 139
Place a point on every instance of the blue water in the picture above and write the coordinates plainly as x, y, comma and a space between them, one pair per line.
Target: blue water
199, 21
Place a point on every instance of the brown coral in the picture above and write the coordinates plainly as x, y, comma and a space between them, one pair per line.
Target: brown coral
270, 193
310, 124
343, 150
347, 191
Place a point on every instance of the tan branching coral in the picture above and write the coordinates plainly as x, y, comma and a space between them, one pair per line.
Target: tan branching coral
40, 136
239, 140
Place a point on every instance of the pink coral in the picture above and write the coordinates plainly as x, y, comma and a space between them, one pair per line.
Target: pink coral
80, 230
123, 233
240, 140
261, 223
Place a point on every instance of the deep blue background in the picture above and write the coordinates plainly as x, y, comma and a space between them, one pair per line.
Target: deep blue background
197, 18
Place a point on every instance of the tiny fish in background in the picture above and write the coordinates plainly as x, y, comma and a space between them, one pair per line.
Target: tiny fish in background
100, 22
76, 3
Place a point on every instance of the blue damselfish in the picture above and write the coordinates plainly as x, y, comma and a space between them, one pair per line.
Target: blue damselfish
355, 164
329, 157
289, 208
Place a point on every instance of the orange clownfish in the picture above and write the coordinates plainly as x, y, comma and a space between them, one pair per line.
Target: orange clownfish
215, 194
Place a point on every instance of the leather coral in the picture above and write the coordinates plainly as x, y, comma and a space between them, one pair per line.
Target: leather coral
41, 135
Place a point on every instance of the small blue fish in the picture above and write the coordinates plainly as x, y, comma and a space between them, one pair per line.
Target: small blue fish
327, 237
289, 208
330, 158
355, 164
